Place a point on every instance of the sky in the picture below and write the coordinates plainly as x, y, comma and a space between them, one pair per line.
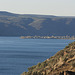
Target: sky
42, 7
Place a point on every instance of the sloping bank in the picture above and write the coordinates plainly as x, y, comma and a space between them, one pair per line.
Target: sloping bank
62, 63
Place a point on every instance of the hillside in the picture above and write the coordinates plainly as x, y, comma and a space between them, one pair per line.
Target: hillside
62, 63
31, 25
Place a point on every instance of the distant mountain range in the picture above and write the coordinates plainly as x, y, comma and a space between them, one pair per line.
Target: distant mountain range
31, 25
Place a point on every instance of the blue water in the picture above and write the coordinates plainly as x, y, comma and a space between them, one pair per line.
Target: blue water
17, 54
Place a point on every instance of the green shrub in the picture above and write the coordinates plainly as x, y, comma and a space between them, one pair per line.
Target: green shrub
67, 47
70, 55
31, 68
71, 44
60, 53
44, 64
38, 64
65, 59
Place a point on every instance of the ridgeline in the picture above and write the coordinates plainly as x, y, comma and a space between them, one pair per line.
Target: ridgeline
40, 25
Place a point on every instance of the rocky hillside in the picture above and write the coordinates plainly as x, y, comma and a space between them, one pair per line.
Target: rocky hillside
39, 25
62, 63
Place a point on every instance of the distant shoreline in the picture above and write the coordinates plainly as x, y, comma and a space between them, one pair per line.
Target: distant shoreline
48, 37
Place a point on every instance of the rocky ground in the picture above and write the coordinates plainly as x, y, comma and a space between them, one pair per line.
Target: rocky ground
62, 63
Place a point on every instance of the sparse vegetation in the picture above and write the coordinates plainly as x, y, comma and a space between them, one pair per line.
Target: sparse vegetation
63, 60
39, 64
67, 47
31, 25
31, 68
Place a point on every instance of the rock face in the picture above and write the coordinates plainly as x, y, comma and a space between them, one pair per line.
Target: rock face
62, 63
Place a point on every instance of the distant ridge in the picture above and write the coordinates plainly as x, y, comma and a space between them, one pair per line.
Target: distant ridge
5, 13
12, 24
32, 15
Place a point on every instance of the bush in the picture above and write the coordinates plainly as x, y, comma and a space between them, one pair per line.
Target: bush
71, 56
31, 68
71, 44
67, 47
44, 64
38, 64
60, 53
65, 59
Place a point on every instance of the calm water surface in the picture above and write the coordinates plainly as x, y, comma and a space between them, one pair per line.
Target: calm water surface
16, 54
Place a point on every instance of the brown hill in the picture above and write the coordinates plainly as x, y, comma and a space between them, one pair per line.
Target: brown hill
62, 63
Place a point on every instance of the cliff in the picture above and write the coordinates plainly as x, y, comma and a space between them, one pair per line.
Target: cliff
62, 63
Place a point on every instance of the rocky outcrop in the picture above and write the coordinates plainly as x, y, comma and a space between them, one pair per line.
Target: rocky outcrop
62, 63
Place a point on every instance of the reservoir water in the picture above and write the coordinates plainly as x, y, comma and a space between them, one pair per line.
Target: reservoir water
17, 54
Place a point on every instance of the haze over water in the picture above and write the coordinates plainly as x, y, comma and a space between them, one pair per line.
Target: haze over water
17, 54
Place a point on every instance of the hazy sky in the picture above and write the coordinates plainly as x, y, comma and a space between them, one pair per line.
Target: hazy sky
46, 7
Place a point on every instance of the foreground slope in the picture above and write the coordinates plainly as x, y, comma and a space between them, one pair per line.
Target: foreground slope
62, 63
39, 25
